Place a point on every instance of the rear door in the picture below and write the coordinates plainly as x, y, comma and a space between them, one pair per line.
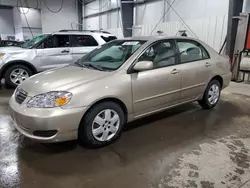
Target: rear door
54, 52
195, 67
81, 45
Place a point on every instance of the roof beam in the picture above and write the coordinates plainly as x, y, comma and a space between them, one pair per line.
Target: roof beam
102, 12
138, 1
13, 3
88, 1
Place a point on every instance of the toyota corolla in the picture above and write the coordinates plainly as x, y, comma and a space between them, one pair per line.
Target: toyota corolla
119, 82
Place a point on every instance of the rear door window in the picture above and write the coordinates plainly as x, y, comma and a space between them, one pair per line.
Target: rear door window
191, 51
83, 40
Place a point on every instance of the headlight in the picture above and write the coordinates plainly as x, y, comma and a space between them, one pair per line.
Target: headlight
50, 100
2, 54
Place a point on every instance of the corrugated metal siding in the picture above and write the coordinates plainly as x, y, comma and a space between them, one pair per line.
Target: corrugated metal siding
210, 30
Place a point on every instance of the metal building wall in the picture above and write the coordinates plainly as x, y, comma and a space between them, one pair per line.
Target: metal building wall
206, 20
103, 14
211, 30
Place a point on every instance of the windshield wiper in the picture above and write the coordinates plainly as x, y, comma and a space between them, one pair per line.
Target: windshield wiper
97, 67
79, 64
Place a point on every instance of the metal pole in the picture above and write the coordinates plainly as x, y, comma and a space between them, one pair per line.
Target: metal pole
235, 8
80, 16
127, 12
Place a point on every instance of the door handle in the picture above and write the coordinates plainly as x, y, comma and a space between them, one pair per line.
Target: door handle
207, 64
175, 71
65, 51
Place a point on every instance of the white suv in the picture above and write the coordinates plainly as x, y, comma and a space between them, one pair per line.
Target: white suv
48, 51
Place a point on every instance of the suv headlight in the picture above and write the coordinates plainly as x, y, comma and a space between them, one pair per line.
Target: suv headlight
50, 100
2, 54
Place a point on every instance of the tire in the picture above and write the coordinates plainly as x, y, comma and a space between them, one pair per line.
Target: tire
18, 68
88, 125
206, 103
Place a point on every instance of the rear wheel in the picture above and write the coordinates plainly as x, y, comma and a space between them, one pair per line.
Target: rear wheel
211, 96
16, 74
102, 124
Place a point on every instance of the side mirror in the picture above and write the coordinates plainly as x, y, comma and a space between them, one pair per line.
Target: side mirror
143, 65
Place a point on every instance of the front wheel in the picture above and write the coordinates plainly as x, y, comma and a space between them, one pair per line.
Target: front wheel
16, 74
102, 124
211, 96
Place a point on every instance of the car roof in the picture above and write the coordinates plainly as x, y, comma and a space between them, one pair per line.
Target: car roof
87, 32
151, 39
157, 37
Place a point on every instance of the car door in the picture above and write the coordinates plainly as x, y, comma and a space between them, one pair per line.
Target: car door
54, 52
81, 45
196, 68
158, 88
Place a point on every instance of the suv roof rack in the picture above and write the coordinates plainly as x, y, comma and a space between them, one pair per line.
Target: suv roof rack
98, 31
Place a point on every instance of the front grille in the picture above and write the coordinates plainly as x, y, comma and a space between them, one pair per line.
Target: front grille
20, 95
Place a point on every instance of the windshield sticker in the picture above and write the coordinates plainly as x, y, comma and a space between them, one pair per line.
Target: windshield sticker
130, 43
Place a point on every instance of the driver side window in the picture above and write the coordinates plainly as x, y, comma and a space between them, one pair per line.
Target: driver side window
162, 54
57, 41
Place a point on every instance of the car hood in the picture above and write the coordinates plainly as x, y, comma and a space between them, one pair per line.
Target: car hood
11, 49
61, 79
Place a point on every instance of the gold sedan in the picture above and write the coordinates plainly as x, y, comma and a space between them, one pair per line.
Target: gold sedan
119, 82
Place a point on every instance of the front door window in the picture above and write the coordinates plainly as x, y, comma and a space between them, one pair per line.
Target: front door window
57, 41
162, 54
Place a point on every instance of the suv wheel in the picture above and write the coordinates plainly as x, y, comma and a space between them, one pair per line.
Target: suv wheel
102, 124
211, 96
16, 74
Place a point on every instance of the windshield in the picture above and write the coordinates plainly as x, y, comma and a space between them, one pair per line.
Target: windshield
34, 41
111, 55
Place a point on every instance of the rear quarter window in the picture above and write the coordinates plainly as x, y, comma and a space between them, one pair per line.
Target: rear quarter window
109, 38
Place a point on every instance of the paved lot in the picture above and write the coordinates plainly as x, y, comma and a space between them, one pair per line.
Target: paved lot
182, 147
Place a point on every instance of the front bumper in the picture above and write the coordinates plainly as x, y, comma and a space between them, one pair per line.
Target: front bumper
29, 120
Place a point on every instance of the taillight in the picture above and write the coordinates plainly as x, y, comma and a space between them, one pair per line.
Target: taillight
229, 60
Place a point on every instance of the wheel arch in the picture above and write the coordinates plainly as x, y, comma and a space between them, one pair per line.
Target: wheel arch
219, 79
109, 99
16, 62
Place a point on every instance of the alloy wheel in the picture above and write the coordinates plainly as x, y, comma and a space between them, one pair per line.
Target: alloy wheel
105, 125
213, 94
19, 75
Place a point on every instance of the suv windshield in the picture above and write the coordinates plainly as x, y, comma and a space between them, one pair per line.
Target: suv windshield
111, 55
34, 41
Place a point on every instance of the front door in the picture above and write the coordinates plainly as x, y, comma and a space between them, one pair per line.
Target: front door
54, 52
156, 89
195, 68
